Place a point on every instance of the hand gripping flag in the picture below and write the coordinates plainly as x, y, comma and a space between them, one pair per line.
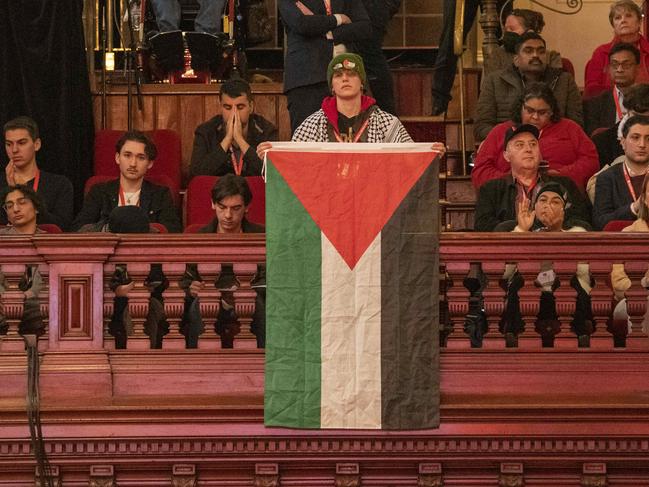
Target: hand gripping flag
352, 286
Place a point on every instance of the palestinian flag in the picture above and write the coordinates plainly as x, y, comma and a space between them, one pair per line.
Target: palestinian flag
352, 296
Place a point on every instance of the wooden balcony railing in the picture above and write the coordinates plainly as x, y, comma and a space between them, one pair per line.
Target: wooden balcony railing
567, 412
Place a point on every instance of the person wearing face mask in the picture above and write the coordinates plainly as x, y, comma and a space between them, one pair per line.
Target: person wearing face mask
501, 89
520, 21
564, 145
626, 19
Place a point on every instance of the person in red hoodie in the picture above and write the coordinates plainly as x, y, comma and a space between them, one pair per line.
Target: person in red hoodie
349, 115
626, 19
564, 145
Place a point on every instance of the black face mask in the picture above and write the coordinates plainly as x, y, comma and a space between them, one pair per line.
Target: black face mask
509, 41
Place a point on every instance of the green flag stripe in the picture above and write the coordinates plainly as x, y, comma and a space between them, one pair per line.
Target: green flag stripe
293, 308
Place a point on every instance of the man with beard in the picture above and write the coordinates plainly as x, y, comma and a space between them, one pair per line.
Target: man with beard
502, 88
618, 188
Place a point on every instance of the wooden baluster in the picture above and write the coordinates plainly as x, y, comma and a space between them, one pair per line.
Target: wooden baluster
227, 321
475, 323
156, 325
601, 300
618, 321
547, 321
490, 24
4, 324
566, 298
529, 296
445, 322
457, 297
636, 304
645, 318
583, 321
493, 300
511, 324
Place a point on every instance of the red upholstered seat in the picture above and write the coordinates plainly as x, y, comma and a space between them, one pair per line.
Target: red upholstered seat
194, 228
617, 225
50, 228
167, 163
198, 201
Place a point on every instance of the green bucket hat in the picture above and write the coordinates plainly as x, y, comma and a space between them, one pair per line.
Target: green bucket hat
347, 60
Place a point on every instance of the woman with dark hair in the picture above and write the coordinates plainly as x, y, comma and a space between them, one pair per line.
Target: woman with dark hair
564, 145
625, 17
519, 21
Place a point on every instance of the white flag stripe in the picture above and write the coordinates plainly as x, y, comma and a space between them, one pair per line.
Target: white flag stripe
351, 339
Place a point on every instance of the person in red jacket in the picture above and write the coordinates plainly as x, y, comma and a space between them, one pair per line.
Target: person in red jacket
564, 145
626, 18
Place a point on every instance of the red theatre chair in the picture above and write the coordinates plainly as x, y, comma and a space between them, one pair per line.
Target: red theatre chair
198, 201
166, 169
617, 225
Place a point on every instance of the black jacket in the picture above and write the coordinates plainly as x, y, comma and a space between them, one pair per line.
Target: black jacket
497, 203
612, 197
57, 195
209, 158
608, 146
599, 112
103, 198
246, 226
308, 50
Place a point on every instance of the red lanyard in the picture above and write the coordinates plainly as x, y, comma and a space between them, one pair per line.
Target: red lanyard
37, 179
122, 198
358, 134
238, 166
627, 178
327, 4
618, 107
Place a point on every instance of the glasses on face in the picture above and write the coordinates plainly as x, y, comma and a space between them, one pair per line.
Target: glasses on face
20, 202
625, 65
544, 112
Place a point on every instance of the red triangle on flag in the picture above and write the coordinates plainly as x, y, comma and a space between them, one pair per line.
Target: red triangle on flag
350, 196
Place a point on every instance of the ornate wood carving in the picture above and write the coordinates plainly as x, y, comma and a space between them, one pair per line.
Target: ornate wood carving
347, 475
102, 476
54, 477
511, 475
430, 475
594, 475
184, 475
266, 475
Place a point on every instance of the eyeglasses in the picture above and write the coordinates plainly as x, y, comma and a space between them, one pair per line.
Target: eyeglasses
625, 65
545, 112
9, 205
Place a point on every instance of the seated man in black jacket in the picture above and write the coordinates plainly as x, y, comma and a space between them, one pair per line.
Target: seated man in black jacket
22, 142
618, 188
228, 142
498, 198
134, 154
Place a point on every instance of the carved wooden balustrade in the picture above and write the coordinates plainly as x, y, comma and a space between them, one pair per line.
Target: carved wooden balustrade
513, 412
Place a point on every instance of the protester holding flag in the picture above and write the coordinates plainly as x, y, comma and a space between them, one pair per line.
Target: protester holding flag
349, 115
